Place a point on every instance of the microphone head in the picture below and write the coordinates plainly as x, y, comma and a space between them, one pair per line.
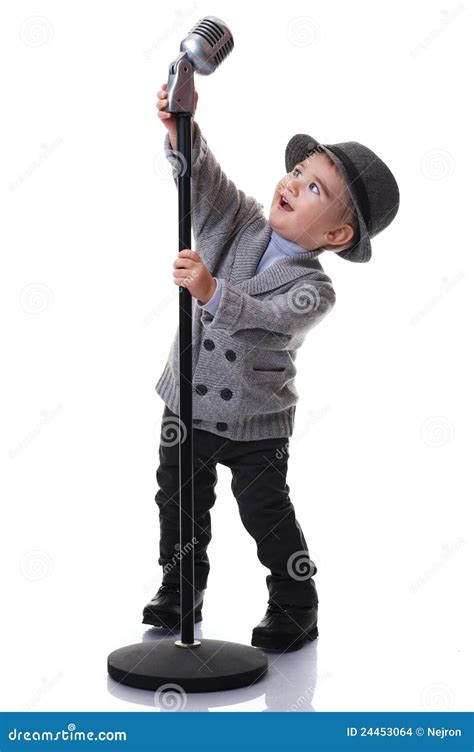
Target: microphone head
208, 44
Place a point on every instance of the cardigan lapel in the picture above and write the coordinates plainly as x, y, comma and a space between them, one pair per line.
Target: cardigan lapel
252, 246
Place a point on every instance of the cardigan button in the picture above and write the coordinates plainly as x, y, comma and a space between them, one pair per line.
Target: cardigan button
201, 388
209, 344
221, 426
230, 355
226, 394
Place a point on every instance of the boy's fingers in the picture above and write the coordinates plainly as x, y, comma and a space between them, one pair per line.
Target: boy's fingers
187, 257
189, 251
183, 262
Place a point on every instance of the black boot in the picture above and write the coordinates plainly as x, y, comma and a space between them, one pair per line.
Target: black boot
286, 628
164, 609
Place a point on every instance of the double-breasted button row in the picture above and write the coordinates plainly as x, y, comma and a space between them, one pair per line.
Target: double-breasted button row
226, 394
209, 344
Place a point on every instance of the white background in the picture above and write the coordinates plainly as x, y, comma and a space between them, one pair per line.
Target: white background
379, 467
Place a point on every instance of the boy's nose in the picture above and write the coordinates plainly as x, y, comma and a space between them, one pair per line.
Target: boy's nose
292, 181
289, 184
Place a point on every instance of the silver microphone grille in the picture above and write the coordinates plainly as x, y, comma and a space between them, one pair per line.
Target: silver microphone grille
208, 44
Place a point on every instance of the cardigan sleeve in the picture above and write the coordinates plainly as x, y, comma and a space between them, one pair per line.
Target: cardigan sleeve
218, 206
275, 323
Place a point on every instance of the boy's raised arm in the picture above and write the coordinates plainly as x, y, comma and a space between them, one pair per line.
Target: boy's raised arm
218, 206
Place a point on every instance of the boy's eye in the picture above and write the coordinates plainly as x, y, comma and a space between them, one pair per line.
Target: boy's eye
298, 170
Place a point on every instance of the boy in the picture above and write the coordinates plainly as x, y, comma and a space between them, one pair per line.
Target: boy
257, 288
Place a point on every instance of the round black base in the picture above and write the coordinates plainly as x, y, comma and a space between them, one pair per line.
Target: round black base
212, 666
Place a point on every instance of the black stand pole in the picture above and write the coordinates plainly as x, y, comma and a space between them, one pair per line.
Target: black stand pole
195, 665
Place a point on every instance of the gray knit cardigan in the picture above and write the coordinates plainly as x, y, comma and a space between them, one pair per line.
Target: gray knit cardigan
244, 356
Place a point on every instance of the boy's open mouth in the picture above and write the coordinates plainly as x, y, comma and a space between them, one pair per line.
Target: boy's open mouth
283, 204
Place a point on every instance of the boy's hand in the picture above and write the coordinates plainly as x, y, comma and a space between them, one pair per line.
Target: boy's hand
169, 118
192, 273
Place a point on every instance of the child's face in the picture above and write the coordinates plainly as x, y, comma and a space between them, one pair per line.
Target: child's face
315, 190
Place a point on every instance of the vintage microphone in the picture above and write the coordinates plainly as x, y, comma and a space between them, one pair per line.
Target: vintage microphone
194, 665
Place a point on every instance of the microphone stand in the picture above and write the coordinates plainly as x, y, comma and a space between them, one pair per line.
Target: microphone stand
195, 665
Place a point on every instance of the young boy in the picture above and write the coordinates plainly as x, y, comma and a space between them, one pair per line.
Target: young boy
258, 287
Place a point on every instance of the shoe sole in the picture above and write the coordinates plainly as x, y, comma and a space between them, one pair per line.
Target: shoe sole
283, 644
166, 620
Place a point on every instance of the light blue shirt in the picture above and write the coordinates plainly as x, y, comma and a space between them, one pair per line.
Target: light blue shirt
277, 248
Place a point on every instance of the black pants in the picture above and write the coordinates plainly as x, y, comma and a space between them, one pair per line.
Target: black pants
259, 485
